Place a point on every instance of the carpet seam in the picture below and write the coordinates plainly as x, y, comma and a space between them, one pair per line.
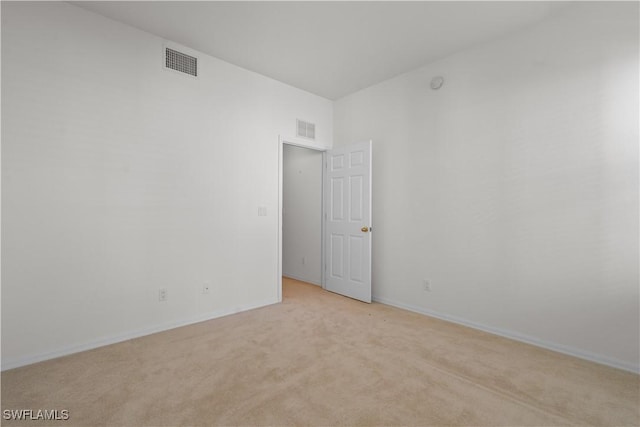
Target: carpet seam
504, 394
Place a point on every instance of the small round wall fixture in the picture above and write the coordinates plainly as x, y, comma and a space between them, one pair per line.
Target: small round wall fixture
437, 82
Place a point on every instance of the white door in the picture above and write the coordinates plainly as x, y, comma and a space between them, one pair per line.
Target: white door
347, 195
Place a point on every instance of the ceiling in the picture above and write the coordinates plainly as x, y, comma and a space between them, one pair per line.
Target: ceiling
330, 49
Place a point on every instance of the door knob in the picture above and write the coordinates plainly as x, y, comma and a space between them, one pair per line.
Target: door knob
364, 229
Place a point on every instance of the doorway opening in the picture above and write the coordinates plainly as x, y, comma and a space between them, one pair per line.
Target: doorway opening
302, 214
300, 243
345, 219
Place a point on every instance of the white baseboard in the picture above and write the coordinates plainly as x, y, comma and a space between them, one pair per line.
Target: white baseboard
76, 348
64, 351
592, 357
302, 279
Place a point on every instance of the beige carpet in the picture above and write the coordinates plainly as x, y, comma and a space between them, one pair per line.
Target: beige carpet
322, 359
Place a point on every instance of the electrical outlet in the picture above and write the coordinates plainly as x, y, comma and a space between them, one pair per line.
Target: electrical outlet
426, 285
304, 260
162, 294
206, 288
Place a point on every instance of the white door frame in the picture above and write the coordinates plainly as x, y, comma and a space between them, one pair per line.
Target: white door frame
298, 142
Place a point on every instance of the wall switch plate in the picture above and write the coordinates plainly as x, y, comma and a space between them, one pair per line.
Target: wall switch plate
262, 211
162, 294
427, 285
206, 288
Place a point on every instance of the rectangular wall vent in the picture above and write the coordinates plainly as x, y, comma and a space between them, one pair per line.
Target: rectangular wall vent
306, 129
181, 62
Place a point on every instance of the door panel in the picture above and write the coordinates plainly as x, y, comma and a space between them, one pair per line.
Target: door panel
355, 210
337, 199
356, 247
348, 220
337, 245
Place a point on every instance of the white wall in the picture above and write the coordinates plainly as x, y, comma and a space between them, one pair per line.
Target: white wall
514, 188
120, 178
302, 214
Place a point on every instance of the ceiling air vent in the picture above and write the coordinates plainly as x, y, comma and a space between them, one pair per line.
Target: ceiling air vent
181, 62
306, 130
